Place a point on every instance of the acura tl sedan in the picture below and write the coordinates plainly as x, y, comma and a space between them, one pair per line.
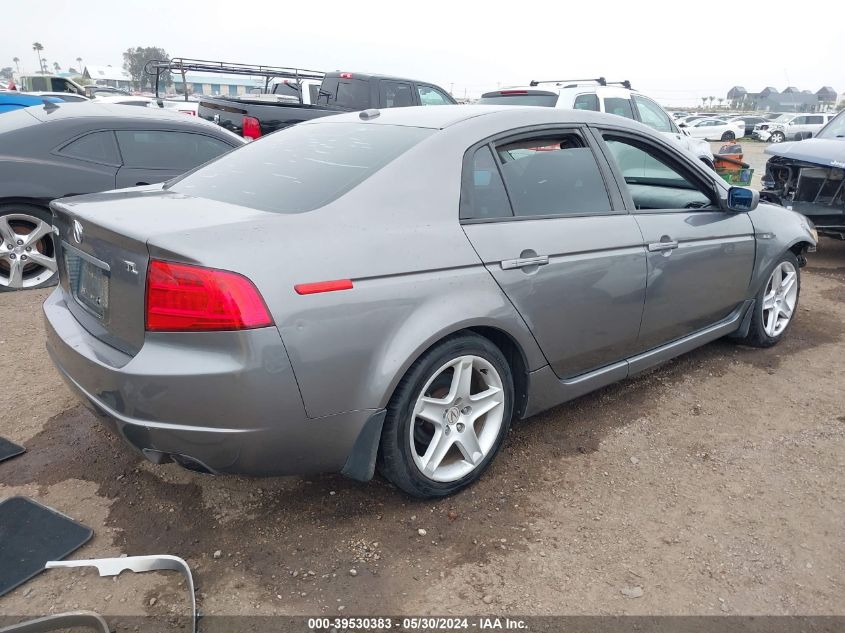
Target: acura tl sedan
393, 288
74, 148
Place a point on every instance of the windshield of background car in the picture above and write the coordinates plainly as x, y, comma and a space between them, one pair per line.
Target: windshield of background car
520, 98
834, 129
302, 167
783, 118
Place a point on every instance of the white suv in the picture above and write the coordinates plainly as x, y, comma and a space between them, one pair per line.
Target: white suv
791, 127
600, 96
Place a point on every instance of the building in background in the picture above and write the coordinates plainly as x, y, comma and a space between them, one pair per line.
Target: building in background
213, 84
108, 76
790, 100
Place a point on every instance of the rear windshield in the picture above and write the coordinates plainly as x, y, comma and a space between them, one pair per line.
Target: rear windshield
302, 167
545, 99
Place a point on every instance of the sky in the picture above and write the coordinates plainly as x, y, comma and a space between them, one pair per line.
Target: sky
672, 51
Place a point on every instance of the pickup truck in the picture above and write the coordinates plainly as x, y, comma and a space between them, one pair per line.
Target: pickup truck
338, 92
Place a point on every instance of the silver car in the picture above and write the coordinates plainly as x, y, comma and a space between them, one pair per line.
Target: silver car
393, 288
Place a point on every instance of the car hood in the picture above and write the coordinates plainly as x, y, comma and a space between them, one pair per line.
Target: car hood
821, 151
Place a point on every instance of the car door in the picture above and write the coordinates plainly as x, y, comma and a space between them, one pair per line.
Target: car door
700, 257
538, 211
151, 156
796, 126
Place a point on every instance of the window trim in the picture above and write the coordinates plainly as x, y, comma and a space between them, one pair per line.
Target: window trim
693, 170
59, 149
615, 200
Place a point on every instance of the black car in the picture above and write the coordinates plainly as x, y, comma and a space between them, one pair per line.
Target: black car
61, 150
750, 121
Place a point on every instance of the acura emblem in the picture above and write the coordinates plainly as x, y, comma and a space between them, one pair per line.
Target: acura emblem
77, 232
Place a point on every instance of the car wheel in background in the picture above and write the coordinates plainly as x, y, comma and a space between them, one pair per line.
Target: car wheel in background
447, 418
777, 137
775, 305
27, 250
728, 136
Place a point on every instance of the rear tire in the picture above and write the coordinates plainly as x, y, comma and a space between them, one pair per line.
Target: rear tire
433, 443
728, 136
775, 304
27, 249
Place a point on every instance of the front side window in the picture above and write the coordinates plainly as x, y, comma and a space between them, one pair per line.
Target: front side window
652, 114
553, 175
429, 95
97, 147
620, 107
586, 102
484, 196
163, 149
652, 179
395, 94
301, 167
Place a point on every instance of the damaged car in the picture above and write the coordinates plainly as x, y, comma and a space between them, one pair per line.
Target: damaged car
809, 177
790, 127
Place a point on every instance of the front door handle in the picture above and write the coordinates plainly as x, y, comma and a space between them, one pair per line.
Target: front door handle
663, 245
525, 262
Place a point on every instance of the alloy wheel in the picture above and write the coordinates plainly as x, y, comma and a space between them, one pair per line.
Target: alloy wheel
777, 137
27, 252
780, 298
457, 418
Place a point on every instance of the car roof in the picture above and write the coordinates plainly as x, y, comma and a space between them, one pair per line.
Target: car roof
95, 110
444, 116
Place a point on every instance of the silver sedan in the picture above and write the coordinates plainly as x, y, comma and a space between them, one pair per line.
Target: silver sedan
391, 289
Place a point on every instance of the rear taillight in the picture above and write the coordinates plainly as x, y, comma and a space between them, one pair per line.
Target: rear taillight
251, 127
186, 298
346, 75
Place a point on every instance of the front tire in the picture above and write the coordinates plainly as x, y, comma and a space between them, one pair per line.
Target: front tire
447, 418
27, 249
776, 303
777, 137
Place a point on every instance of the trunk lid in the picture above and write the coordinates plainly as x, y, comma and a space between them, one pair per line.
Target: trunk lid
103, 253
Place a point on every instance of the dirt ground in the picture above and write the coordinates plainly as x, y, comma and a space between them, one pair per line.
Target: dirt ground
711, 485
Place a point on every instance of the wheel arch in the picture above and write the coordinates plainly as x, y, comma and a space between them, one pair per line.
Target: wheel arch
36, 202
507, 342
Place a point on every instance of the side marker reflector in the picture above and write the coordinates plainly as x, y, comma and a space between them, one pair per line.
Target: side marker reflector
323, 286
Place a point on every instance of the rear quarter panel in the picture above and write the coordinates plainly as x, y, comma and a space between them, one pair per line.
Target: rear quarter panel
416, 278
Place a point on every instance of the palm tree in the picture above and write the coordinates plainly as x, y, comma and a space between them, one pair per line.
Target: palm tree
79, 61
704, 101
37, 47
57, 68
17, 64
720, 101
711, 101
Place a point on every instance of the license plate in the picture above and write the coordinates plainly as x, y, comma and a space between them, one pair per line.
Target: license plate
89, 284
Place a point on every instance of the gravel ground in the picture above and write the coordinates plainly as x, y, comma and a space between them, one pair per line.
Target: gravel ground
711, 485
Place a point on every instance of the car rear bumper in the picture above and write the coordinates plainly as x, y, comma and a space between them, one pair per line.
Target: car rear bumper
222, 402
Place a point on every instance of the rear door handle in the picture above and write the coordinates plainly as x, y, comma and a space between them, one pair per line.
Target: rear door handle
525, 262
668, 245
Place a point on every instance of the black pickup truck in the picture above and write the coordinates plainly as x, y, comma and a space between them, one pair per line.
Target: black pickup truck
338, 92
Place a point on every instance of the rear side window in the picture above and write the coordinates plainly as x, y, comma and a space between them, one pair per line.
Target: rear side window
485, 196
163, 149
553, 175
586, 102
395, 94
302, 167
520, 98
97, 147
619, 106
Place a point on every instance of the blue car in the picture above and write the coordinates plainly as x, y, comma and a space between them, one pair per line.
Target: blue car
12, 100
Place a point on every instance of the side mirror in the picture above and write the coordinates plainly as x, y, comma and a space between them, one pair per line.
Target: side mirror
742, 200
